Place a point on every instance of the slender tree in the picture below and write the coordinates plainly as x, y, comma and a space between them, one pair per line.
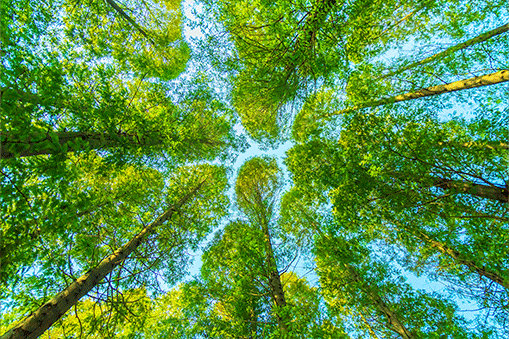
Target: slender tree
40, 320
479, 81
286, 48
51, 311
257, 187
397, 190
354, 283
234, 277
453, 49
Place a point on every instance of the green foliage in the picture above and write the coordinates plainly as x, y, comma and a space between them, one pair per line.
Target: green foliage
102, 132
84, 88
257, 186
388, 191
369, 293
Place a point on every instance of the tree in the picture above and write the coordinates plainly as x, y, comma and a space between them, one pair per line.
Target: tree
132, 313
236, 299
257, 187
70, 206
375, 298
394, 190
484, 80
453, 49
140, 124
360, 284
289, 51
195, 183
234, 279
66, 97
281, 51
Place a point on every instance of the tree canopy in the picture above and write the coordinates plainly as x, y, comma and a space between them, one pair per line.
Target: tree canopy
126, 212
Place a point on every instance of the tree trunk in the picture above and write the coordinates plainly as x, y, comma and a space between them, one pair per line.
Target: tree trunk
484, 80
61, 142
314, 20
50, 142
392, 318
459, 258
478, 39
276, 288
39, 321
460, 186
484, 191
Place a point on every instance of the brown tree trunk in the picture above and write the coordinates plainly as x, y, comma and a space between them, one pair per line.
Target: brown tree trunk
379, 303
39, 321
483, 80
478, 39
460, 186
484, 191
276, 288
51, 142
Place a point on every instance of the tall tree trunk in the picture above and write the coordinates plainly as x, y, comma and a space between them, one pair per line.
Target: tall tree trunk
478, 39
50, 142
39, 321
483, 80
61, 142
460, 259
483, 191
460, 186
314, 20
276, 288
396, 324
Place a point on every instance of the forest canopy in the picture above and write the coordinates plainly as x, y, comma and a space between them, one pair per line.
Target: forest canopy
254, 169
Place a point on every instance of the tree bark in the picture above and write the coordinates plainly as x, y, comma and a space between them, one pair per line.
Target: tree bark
62, 142
276, 288
39, 321
483, 191
393, 319
459, 186
478, 39
483, 80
